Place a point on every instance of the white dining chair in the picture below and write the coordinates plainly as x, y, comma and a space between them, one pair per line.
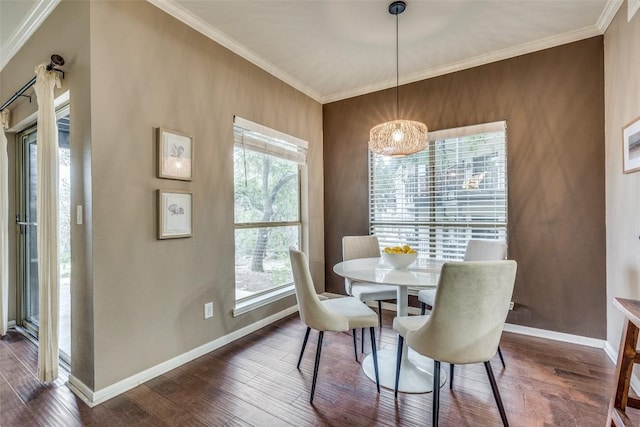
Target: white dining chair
477, 250
354, 247
481, 290
333, 314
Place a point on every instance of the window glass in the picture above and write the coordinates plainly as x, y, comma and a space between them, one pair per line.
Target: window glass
267, 210
438, 199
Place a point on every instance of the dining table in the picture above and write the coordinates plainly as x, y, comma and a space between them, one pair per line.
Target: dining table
416, 372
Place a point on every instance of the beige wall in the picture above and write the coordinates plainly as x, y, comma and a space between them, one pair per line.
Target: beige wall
138, 301
622, 105
149, 70
553, 102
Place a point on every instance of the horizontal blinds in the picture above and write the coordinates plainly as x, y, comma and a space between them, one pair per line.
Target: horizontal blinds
259, 138
438, 199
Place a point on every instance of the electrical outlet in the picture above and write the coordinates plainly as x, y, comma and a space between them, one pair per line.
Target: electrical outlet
511, 305
208, 310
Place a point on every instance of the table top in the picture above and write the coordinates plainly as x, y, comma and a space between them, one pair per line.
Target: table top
374, 270
630, 308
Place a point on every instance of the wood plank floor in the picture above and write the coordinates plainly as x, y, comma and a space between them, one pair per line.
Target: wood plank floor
254, 381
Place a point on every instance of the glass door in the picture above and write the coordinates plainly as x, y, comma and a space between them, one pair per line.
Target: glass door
27, 223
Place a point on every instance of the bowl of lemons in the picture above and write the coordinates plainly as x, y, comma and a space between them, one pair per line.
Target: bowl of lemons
399, 257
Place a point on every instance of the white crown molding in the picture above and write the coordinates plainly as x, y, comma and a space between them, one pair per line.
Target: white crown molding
31, 23
93, 398
499, 55
175, 10
608, 14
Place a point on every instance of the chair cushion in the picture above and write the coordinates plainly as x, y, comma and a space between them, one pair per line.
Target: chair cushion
365, 291
357, 313
403, 325
427, 296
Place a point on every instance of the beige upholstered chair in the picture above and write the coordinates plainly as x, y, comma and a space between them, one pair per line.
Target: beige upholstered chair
477, 250
466, 324
354, 247
336, 314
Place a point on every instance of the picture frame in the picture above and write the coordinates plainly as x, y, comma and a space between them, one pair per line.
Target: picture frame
175, 214
631, 146
175, 155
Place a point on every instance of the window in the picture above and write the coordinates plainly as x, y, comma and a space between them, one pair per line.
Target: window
267, 172
438, 199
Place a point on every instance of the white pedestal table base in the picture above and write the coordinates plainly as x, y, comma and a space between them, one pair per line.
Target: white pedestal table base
416, 374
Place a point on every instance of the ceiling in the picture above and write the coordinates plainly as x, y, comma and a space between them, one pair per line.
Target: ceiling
335, 49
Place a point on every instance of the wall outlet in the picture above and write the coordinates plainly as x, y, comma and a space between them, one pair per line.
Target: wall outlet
208, 310
511, 305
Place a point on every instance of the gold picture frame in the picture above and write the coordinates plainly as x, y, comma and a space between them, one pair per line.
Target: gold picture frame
175, 155
631, 146
175, 214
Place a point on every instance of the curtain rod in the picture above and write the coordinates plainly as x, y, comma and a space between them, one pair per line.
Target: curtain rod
56, 60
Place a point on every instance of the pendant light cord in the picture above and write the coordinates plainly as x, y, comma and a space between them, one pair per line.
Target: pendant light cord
397, 72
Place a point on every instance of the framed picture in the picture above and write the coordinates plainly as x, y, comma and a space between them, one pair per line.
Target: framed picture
175, 155
631, 146
175, 214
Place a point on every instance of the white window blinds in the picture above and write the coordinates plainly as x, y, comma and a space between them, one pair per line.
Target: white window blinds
438, 199
255, 137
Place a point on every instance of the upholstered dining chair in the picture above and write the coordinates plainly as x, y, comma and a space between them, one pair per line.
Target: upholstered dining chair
354, 247
333, 314
477, 250
481, 290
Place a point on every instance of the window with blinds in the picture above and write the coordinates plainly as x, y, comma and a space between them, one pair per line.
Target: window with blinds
267, 170
438, 199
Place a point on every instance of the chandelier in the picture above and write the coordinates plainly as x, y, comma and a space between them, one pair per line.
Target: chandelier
398, 138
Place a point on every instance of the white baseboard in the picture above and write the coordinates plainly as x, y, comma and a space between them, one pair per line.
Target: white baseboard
556, 336
93, 398
11, 324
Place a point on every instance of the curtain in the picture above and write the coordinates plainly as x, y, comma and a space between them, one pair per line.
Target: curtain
4, 226
47, 212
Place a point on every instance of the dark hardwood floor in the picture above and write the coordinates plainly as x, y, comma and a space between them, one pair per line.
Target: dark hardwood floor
254, 381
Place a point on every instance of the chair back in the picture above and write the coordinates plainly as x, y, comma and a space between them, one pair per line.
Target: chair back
485, 250
354, 247
466, 324
312, 312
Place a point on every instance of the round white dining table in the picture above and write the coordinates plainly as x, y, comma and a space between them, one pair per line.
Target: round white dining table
416, 373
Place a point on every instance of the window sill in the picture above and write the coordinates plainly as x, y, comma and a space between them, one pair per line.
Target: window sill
262, 300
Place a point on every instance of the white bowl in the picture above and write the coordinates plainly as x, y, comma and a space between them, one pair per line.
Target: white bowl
399, 261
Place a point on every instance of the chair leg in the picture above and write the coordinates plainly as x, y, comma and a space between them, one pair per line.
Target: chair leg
423, 308
304, 345
501, 358
398, 362
380, 313
362, 341
496, 393
315, 368
375, 356
436, 393
451, 369
355, 343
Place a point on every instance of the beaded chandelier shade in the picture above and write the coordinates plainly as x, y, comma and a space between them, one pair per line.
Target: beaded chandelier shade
398, 138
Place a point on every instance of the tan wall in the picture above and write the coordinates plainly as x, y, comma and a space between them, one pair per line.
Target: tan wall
622, 105
138, 301
65, 32
553, 103
149, 70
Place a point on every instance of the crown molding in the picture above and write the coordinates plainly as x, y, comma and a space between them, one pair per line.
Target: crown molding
197, 24
608, 14
37, 16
